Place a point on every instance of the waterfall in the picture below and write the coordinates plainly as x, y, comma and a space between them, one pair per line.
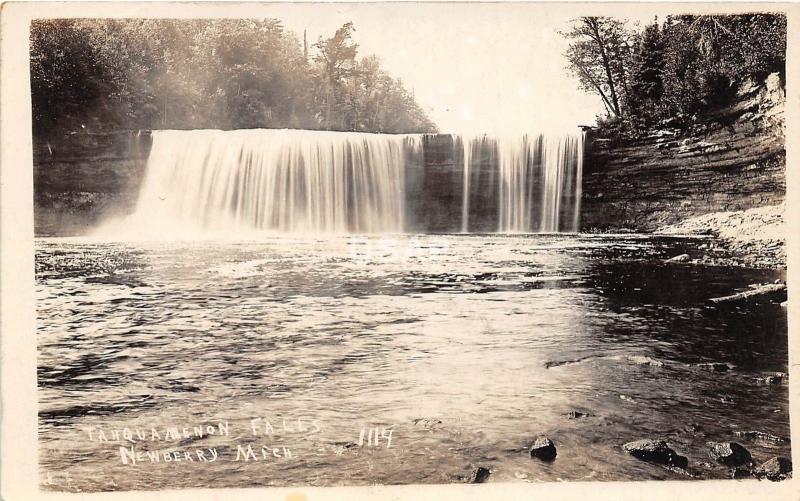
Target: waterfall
283, 180
299, 181
540, 183
467, 145
539, 187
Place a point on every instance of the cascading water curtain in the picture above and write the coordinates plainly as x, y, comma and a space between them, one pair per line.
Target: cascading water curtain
516, 184
296, 181
472, 148
284, 180
540, 183
466, 144
579, 141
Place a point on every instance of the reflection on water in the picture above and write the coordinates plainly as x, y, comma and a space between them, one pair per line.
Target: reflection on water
461, 349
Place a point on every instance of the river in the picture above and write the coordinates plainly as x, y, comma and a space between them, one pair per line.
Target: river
394, 359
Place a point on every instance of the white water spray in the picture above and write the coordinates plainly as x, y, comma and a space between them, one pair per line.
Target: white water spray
283, 180
212, 182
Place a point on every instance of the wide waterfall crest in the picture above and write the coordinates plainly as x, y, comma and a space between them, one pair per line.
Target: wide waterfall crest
213, 182
282, 180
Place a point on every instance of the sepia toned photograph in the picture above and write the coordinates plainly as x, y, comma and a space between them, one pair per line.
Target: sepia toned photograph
336, 245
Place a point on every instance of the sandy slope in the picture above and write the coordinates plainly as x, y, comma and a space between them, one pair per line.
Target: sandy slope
754, 237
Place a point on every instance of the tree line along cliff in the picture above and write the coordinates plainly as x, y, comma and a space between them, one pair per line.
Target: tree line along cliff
105, 75
732, 158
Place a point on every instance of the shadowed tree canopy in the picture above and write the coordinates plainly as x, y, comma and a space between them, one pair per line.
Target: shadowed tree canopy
648, 65
113, 74
671, 71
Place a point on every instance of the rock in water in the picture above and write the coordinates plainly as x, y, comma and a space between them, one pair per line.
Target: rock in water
578, 415
759, 435
479, 475
776, 378
775, 469
682, 258
741, 472
544, 449
729, 453
655, 451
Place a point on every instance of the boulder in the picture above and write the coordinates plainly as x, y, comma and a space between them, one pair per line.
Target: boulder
655, 451
479, 475
729, 453
543, 448
775, 469
741, 472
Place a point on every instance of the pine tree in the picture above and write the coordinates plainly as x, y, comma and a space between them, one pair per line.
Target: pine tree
648, 83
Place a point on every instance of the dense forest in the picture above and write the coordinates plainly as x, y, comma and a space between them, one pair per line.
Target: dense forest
112, 74
666, 73
105, 75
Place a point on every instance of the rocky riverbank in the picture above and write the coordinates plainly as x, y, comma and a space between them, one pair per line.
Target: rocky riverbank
753, 238
731, 159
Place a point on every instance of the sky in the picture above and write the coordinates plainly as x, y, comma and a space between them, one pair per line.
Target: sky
474, 68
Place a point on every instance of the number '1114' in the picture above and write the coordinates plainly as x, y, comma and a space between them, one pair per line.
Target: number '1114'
374, 437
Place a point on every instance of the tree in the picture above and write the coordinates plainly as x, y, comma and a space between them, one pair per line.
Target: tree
107, 74
648, 65
597, 55
68, 75
647, 75
676, 70
336, 60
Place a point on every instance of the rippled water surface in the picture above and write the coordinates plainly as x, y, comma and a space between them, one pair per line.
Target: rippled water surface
462, 349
